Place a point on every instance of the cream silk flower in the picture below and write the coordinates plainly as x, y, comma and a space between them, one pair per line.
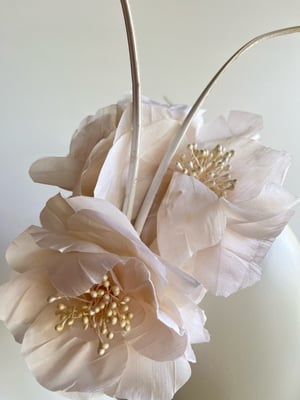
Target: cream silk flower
98, 161
219, 240
218, 223
97, 164
95, 310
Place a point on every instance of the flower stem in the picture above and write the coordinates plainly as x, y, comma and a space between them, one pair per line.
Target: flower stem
136, 113
153, 189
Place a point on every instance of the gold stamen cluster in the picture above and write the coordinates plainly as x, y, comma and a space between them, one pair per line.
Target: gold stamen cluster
211, 167
102, 308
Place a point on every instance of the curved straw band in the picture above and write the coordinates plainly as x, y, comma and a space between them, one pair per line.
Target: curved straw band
153, 189
136, 113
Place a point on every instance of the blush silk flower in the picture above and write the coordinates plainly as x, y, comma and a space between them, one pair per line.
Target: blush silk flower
219, 240
222, 240
85, 251
98, 160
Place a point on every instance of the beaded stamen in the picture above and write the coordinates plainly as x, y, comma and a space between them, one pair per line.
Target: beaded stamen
102, 308
211, 167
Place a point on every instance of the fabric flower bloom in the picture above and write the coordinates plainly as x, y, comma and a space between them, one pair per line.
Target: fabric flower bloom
95, 310
97, 164
226, 206
215, 227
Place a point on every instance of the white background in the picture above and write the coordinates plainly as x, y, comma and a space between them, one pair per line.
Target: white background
62, 60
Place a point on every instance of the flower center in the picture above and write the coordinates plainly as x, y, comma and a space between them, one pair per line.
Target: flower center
103, 308
210, 167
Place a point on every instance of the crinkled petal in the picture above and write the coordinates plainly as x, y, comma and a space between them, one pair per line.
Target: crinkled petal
92, 129
98, 228
238, 123
137, 283
253, 166
246, 255
217, 130
231, 265
93, 166
194, 319
55, 214
74, 273
101, 222
155, 339
116, 235
108, 213
205, 266
22, 299
182, 287
153, 111
58, 171
91, 218
64, 361
65, 172
245, 124
87, 224
186, 292
190, 218
110, 185
62, 242
273, 204
23, 254
145, 379
169, 314
251, 229
144, 300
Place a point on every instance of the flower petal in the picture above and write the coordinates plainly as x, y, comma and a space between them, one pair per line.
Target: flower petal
22, 299
110, 229
75, 272
99, 228
160, 124
145, 379
93, 166
62, 242
55, 214
193, 321
137, 284
92, 129
90, 225
110, 184
245, 254
205, 266
182, 287
272, 204
190, 219
238, 123
109, 215
23, 254
251, 229
155, 340
244, 123
58, 171
253, 166
68, 362
216, 131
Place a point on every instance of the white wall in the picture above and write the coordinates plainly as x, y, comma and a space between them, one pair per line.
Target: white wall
63, 59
